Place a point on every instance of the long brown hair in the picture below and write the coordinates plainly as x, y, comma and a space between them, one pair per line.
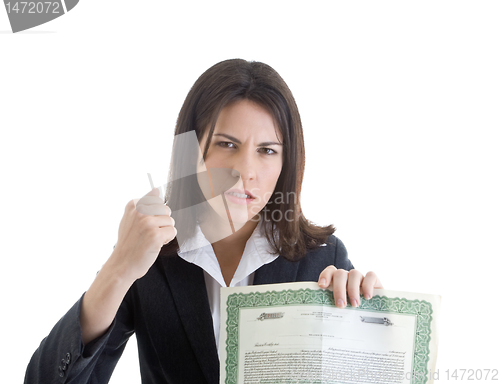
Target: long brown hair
224, 83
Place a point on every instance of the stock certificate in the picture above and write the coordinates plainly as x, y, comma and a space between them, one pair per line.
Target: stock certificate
293, 333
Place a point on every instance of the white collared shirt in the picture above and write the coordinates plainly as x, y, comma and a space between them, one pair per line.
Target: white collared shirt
199, 251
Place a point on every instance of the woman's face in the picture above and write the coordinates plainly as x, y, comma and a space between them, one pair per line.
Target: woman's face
246, 149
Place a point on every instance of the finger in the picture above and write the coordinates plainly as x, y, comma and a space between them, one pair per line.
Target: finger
325, 278
167, 234
339, 287
354, 281
158, 209
153, 192
370, 282
150, 200
162, 221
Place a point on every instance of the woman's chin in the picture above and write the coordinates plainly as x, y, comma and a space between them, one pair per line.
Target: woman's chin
240, 216
236, 218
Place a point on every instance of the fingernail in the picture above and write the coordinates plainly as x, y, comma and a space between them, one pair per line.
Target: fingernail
340, 303
322, 282
368, 297
354, 302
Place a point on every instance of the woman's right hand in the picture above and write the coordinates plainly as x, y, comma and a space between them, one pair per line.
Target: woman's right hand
145, 227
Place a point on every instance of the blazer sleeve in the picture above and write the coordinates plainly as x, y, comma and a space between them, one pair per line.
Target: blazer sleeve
308, 268
62, 357
333, 252
341, 261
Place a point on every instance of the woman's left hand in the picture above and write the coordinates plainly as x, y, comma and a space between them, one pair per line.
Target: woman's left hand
353, 282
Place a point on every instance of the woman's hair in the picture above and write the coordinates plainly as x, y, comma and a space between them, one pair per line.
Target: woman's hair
290, 234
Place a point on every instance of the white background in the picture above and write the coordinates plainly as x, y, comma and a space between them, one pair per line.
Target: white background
400, 108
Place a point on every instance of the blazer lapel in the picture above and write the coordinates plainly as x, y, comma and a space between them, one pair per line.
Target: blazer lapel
187, 285
278, 271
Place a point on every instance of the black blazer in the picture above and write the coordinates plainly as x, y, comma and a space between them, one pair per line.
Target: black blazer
168, 309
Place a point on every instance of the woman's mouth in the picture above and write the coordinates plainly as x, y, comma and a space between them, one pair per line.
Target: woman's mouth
239, 196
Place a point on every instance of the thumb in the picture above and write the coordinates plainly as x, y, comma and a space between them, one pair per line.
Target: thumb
154, 192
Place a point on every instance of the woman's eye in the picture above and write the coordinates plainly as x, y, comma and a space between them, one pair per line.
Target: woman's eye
268, 151
225, 144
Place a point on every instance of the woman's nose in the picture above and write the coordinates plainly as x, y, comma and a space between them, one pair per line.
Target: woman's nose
245, 166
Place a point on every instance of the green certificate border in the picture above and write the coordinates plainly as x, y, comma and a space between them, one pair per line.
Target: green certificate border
421, 309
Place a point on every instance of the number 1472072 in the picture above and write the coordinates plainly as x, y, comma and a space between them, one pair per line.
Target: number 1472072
33, 7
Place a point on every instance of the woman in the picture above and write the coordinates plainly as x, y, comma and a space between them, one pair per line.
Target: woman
236, 221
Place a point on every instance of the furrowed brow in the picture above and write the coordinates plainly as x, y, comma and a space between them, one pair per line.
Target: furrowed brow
228, 137
265, 143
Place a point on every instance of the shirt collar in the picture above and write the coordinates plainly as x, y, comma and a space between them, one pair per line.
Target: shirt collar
199, 251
